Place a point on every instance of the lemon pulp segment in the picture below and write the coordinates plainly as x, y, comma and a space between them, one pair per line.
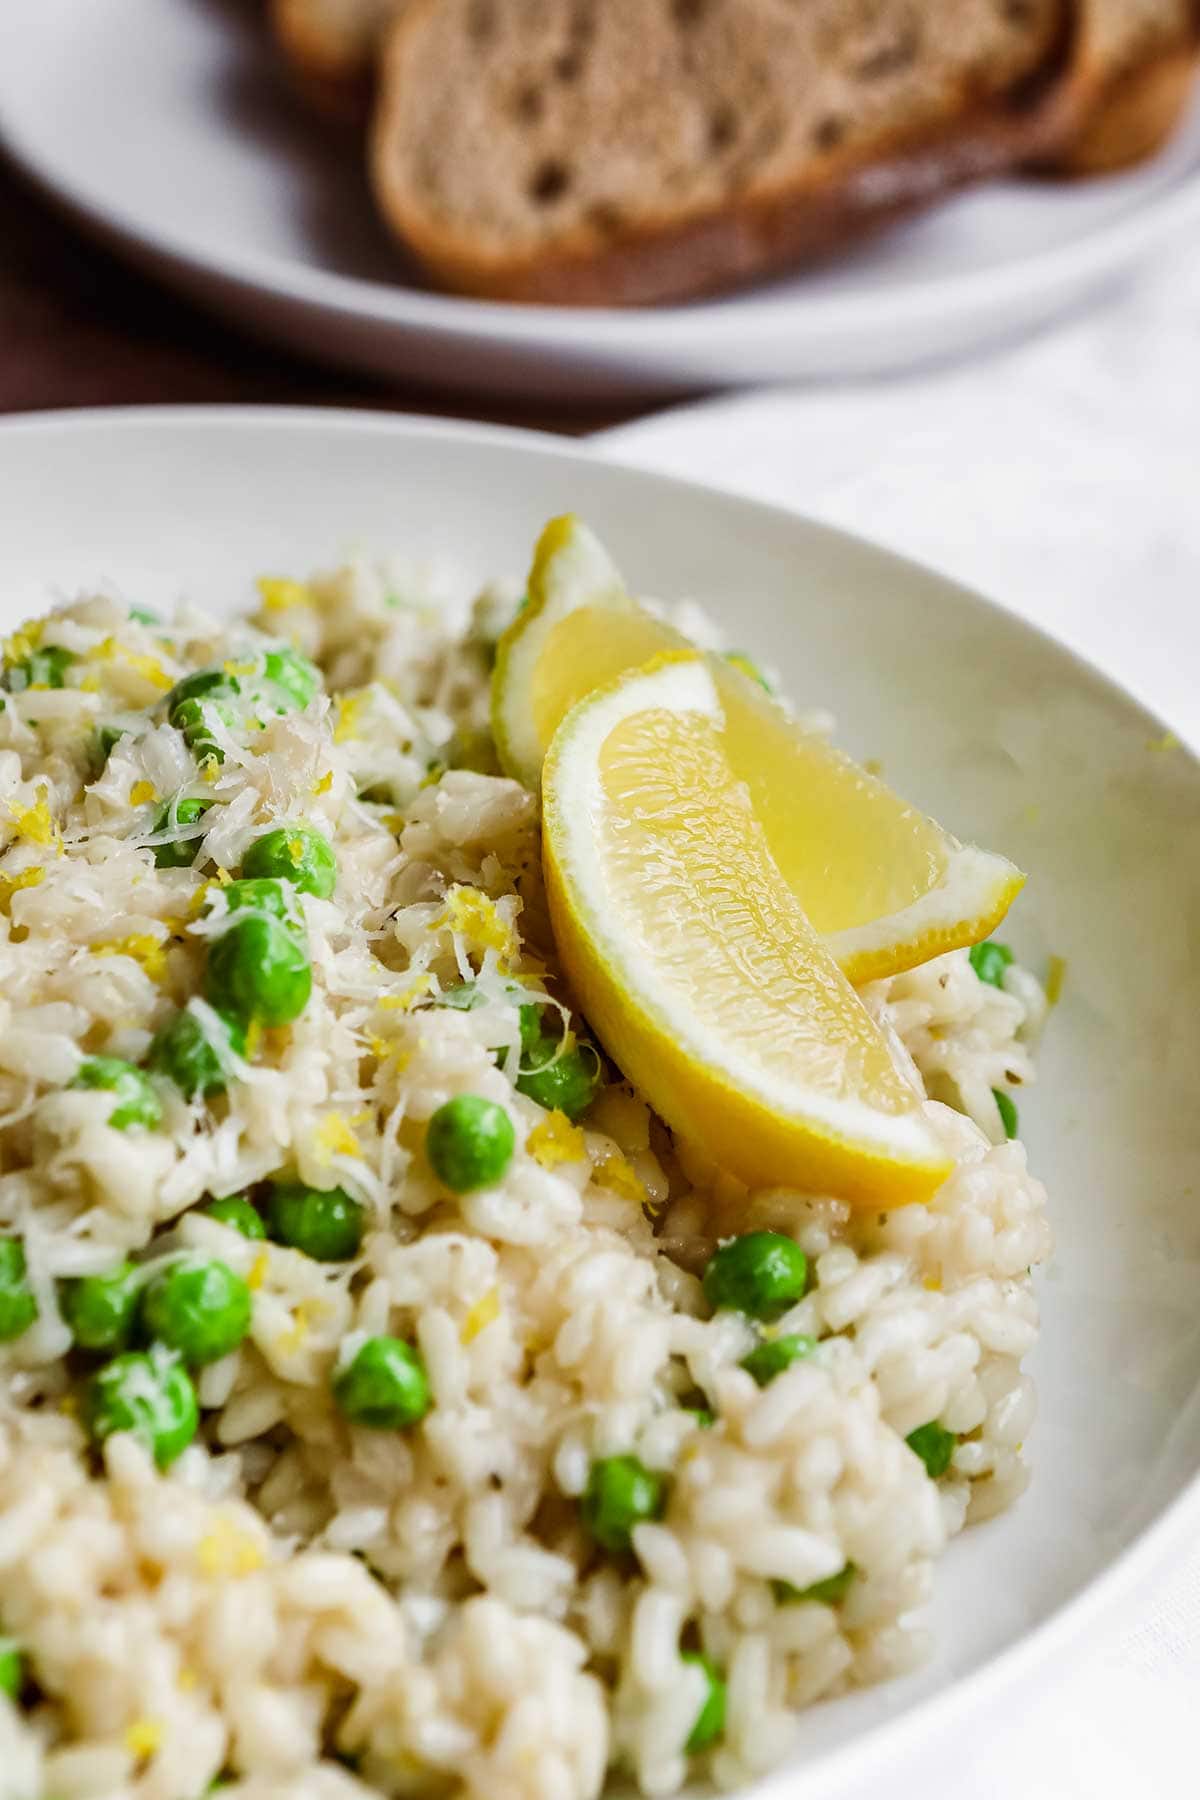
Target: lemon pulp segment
695, 963
587, 649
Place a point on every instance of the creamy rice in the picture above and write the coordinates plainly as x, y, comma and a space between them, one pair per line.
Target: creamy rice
316, 1610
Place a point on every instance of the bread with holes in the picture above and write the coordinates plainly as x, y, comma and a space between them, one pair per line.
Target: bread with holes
616, 152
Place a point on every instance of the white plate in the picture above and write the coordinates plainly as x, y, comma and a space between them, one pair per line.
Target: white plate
165, 125
996, 729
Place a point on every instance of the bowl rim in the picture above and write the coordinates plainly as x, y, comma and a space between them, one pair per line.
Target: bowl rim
1112, 1591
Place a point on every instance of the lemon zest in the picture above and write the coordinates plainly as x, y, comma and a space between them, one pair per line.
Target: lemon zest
89, 685
35, 823
258, 1271
616, 1173
555, 1140
279, 594
24, 640
12, 884
141, 792
148, 667
288, 1342
408, 997
141, 948
335, 1138
482, 1314
474, 917
932, 1284
254, 1033
225, 1549
239, 668
211, 771
349, 705
187, 1678
199, 899
143, 1737
326, 782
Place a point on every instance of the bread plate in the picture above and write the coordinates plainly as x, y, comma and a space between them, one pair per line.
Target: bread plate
221, 184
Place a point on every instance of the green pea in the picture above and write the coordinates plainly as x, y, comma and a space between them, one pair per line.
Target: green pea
203, 684
1007, 1108
198, 1307
276, 898
990, 960
148, 1393
468, 996
101, 1309
830, 1592
620, 1493
192, 718
384, 1386
710, 1720
469, 1142
935, 1446
239, 1214
107, 739
294, 853
325, 1223
297, 678
12, 1667
137, 1102
258, 971
18, 1308
762, 1274
749, 667
771, 1359
566, 1083
197, 1062
41, 669
704, 1416
180, 853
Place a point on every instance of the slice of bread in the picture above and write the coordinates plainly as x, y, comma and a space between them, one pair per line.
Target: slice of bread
1134, 71
625, 151
331, 46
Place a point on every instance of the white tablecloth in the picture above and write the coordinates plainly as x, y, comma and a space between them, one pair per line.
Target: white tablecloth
1063, 478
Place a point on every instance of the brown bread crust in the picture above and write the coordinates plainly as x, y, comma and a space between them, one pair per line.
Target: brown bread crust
1130, 95
335, 78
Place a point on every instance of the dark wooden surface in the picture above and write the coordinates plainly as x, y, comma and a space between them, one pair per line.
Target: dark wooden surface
78, 328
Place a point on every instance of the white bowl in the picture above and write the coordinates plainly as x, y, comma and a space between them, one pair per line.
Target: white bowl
994, 728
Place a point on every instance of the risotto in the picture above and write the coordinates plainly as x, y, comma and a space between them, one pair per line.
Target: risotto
388, 1404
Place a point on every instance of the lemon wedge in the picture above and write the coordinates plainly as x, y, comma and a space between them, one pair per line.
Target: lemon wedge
885, 886
695, 963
